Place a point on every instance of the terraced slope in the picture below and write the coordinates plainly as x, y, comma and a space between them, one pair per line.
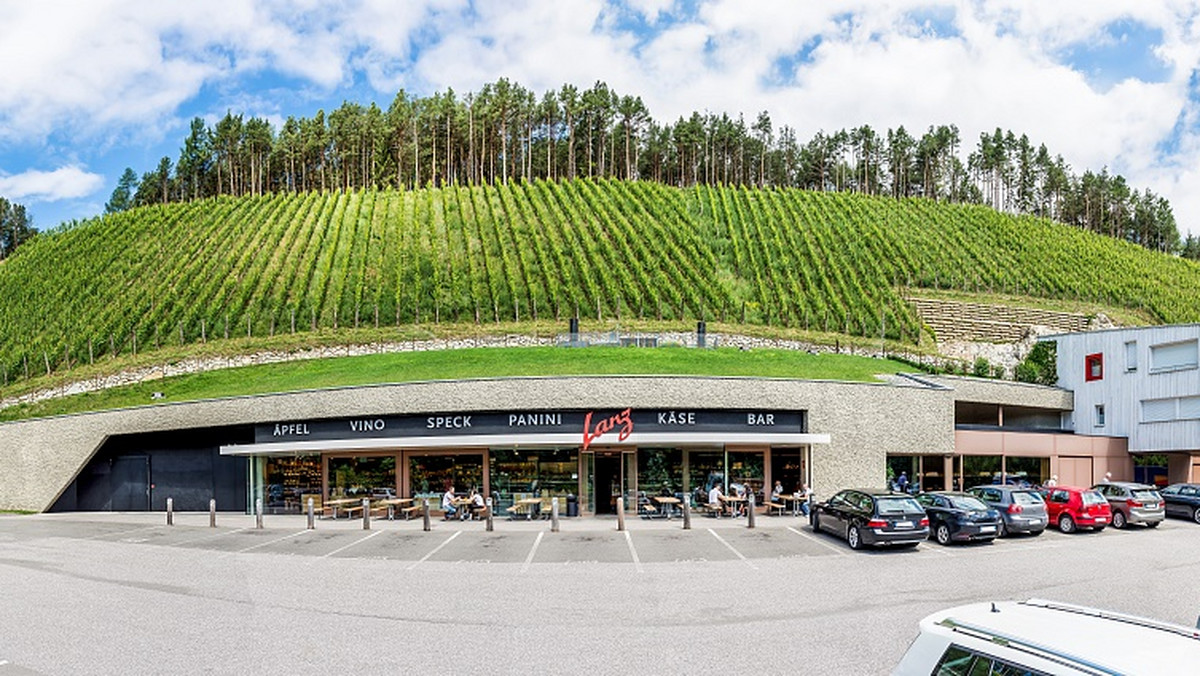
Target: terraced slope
294, 262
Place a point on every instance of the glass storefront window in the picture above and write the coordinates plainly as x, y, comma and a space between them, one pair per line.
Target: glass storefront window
289, 481
660, 472
429, 475
787, 467
746, 468
542, 473
980, 470
1026, 471
705, 470
362, 477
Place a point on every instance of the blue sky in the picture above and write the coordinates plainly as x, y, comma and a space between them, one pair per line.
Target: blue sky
90, 88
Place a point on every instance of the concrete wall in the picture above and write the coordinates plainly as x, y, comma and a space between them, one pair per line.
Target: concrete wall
39, 458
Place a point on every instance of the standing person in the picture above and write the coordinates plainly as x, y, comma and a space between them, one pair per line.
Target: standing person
448, 501
902, 482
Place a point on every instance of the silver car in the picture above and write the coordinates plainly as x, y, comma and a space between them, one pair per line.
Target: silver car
1022, 510
1133, 503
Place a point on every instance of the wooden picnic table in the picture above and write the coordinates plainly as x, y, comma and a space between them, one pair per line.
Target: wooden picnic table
670, 503
527, 504
333, 505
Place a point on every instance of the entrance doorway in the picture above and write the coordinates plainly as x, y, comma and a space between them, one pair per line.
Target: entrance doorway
607, 482
130, 481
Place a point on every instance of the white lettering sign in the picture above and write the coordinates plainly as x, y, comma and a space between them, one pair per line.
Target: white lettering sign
760, 419
287, 429
446, 422
375, 425
533, 419
677, 418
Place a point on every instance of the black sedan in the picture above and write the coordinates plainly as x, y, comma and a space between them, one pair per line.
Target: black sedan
1182, 500
872, 517
959, 517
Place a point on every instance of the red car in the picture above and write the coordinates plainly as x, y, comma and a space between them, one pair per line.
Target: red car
1072, 508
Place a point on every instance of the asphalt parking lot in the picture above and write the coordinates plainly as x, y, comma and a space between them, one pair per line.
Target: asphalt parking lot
124, 593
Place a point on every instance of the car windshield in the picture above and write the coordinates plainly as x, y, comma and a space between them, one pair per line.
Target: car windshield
1143, 494
964, 502
1027, 498
1093, 498
898, 505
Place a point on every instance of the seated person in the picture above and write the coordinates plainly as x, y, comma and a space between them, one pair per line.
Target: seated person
714, 498
448, 502
777, 492
477, 503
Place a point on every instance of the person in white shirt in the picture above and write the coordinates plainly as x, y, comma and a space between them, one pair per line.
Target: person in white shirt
448, 502
477, 503
714, 499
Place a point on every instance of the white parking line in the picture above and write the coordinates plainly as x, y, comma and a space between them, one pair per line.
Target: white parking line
121, 532
529, 559
270, 542
814, 538
209, 537
435, 550
358, 541
739, 554
633, 552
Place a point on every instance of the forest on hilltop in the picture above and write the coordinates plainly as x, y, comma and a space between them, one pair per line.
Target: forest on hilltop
506, 131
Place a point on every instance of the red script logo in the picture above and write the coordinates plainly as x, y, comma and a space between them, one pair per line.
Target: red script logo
622, 419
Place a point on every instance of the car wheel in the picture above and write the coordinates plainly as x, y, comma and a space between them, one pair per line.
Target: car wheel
1066, 524
942, 534
1196, 515
1118, 519
854, 538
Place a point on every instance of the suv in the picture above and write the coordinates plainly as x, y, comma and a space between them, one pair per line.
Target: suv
1038, 637
1022, 510
1073, 508
1132, 503
867, 516
1183, 500
959, 516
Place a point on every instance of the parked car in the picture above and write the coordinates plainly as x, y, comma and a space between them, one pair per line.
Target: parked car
959, 517
1022, 510
1072, 508
872, 517
1132, 503
1045, 637
1183, 500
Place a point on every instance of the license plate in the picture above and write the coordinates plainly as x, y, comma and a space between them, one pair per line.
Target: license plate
987, 529
1101, 519
904, 524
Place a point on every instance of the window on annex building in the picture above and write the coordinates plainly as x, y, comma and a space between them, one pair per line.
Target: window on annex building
1173, 356
1094, 366
1099, 415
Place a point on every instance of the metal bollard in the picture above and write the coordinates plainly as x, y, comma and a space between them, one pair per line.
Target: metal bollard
553, 515
687, 512
170, 511
212, 513
366, 503
258, 513
426, 511
621, 513
749, 509
312, 524
489, 514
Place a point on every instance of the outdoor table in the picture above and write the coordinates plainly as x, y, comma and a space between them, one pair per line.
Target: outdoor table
733, 500
339, 503
528, 504
669, 503
393, 503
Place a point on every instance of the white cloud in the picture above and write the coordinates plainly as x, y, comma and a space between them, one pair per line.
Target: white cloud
49, 186
111, 69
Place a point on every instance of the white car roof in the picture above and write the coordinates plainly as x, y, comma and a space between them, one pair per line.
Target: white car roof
1080, 639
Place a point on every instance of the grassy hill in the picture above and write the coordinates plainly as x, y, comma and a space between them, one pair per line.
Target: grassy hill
179, 275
